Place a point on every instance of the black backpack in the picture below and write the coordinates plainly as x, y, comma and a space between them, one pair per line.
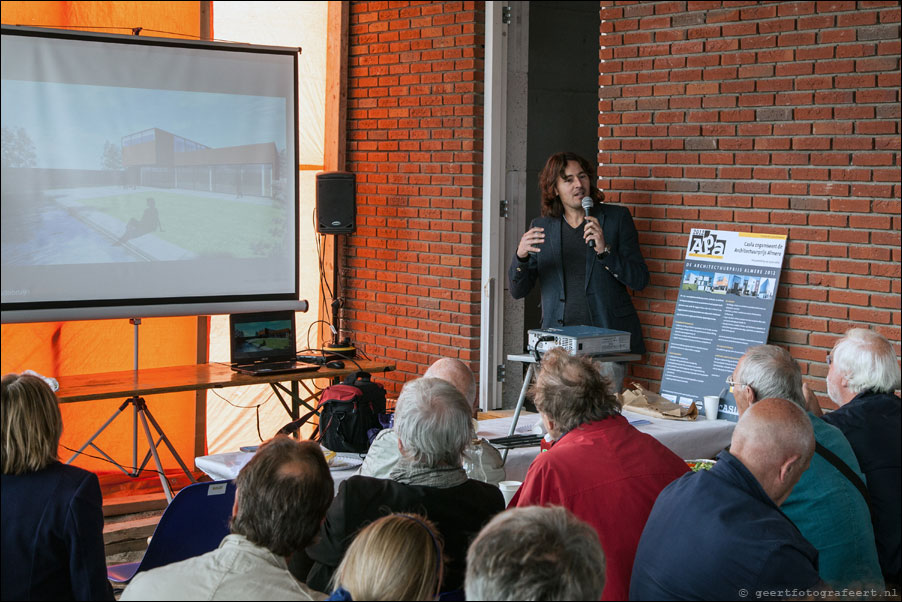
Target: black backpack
349, 413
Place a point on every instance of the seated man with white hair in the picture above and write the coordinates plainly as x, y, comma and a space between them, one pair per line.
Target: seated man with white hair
863, 375
434, 427
535, 553
481, 460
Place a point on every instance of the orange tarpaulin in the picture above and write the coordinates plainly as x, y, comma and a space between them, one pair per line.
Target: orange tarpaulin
68, 348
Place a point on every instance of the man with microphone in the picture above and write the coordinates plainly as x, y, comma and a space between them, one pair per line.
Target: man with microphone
583, 253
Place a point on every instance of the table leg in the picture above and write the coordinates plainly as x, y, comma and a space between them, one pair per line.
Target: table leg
526, 382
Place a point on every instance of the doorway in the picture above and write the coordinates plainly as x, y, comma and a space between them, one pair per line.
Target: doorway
553, 63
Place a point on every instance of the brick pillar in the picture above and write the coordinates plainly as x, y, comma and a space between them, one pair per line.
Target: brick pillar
415, 139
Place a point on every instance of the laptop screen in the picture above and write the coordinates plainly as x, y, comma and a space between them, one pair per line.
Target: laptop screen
262, 336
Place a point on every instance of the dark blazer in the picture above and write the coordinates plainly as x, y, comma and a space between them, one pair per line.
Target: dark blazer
458, 512
607, 279
52, 538
716, 535
872, 422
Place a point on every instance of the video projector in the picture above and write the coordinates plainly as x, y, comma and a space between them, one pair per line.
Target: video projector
579, 340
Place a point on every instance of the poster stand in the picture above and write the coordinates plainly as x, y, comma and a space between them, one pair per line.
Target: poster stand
725, 305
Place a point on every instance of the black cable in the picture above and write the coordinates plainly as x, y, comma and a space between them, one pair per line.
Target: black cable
304, 356
535, 349
311, 326
342, 356
265, 401
255, 407
325, 287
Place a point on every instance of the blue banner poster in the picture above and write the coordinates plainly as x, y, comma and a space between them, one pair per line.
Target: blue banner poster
725, 305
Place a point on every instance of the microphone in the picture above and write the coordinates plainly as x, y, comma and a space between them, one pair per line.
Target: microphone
587, 204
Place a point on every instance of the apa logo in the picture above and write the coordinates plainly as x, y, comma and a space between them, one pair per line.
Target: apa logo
704, 242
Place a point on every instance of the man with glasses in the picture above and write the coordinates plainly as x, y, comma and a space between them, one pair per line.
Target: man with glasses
826, 505
862, 377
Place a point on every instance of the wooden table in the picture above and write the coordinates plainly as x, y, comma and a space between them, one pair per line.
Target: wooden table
196, 377
131, 386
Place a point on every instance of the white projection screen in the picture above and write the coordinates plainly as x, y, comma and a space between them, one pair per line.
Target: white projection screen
146, 177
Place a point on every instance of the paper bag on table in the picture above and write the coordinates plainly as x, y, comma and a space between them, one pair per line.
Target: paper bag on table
642, 401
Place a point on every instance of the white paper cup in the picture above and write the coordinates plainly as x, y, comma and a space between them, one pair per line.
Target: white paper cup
711, 403
508, 489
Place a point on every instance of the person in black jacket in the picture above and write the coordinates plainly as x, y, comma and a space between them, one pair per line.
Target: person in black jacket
434, 427
52, 513
583, 264
862, 379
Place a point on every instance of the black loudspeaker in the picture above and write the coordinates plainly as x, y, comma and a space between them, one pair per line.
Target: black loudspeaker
336, 202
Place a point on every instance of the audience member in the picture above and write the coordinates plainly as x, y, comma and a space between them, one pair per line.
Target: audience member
52, 514
863, 375
600, 467
398, 557
535, 553
432, 420
481, 460
719, 534
280, 499
825, 505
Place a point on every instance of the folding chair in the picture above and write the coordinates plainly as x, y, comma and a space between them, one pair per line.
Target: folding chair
193, 524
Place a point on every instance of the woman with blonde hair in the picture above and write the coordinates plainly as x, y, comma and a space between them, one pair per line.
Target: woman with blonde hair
397, 557
52, 514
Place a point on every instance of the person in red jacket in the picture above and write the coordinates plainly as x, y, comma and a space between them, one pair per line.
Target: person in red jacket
600, 467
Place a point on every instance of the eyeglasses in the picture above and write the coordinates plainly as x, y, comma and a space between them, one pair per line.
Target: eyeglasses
829, 358
734, 383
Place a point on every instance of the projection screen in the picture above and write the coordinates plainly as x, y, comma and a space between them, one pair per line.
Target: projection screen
146, 177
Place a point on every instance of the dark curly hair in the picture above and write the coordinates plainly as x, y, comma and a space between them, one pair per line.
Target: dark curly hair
548, 177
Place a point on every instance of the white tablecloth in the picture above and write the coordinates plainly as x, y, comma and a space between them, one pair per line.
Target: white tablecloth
226, 466
689, 440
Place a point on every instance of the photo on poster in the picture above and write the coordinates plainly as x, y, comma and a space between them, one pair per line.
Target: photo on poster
694, 280
721, 283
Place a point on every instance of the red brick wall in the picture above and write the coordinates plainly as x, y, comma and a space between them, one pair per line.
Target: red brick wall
411, 271
768, 117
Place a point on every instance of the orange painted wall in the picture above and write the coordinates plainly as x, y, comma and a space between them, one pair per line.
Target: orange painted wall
67, 348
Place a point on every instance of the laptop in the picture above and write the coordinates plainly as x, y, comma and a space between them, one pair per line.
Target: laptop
263, 343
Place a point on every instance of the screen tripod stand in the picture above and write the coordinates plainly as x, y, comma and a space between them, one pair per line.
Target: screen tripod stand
140, 412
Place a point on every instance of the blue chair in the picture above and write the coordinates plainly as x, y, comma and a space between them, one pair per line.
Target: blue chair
193, 524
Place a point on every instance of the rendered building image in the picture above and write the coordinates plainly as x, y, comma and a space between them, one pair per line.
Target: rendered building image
161, 159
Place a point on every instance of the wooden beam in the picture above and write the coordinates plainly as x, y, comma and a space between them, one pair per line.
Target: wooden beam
335, 137
335, 143
200, 397
206, 20
203, 322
